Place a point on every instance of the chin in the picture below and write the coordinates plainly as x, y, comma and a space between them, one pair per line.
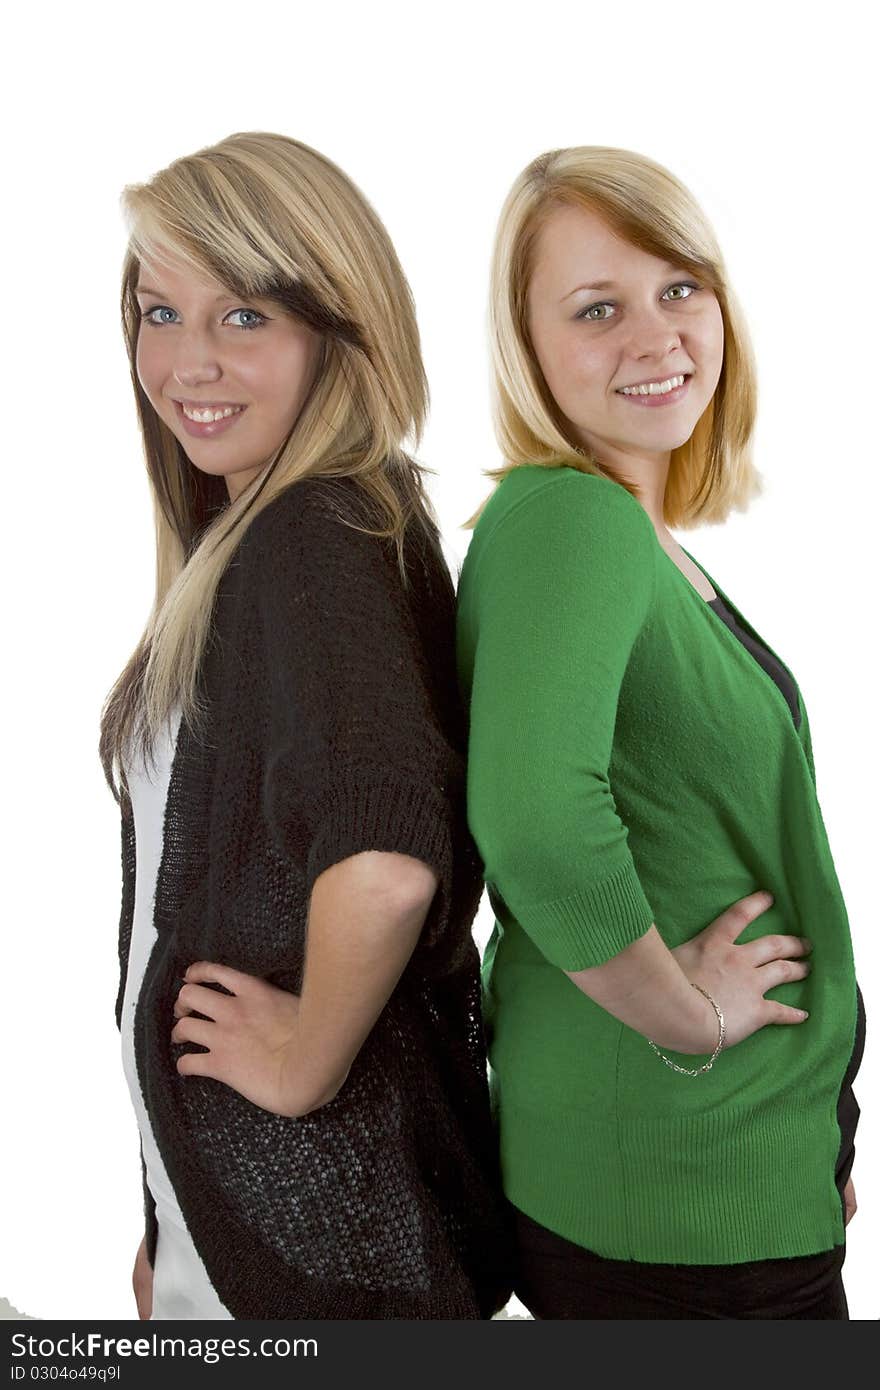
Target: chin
661, 440
200, 467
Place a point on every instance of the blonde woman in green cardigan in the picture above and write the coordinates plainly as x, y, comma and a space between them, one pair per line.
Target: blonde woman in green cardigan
669, 990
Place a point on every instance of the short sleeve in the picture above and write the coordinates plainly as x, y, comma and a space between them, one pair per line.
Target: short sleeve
358, 757
551, 601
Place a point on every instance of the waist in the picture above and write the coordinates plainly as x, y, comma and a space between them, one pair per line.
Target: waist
711, 1188
555, 1046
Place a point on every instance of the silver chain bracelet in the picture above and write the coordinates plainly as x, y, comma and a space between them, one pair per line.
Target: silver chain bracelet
696, 1071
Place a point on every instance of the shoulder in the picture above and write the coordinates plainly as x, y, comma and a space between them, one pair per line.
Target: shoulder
311, 531
314, 546
563, 514
309, 505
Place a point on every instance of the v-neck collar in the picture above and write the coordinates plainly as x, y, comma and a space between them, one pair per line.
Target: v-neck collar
716, 618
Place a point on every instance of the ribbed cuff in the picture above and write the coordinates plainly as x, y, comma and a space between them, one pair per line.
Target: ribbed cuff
590, 926
369, 812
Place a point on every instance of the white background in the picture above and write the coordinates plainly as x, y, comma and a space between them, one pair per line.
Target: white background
763, 110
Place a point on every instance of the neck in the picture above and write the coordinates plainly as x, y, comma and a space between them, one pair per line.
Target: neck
649, 473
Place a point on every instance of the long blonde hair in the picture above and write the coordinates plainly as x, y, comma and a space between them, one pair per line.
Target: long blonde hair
267, 217
644, 203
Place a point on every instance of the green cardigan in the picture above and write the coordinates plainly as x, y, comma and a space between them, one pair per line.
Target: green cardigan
630, 762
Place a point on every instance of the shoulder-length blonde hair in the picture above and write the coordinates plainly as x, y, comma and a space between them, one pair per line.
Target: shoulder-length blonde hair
267, 217
712, 472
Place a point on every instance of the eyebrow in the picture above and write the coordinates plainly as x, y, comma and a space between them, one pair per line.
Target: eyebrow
610, 284
145, 289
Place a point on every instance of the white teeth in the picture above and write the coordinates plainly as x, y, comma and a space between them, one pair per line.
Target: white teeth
206, 417
653, 388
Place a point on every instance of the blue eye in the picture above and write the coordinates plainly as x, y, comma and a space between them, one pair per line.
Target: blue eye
147, 316
259, 317
587, 313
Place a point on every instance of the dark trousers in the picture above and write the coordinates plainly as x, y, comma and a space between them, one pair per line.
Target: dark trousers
558, 1279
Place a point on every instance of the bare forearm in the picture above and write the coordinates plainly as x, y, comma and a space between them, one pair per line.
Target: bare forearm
645, 987
365, 917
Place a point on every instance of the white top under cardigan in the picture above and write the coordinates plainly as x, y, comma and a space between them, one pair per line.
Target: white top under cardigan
181, 1287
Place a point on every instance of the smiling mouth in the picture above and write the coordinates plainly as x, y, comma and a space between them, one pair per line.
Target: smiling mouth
662, 387
206, 414
212, 424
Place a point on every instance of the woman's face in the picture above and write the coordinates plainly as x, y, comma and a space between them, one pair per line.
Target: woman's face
200, 348
603, 315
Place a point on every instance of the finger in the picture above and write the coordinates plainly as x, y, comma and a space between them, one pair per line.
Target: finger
733, 922
225, 975
773, 947
200, 999
783, 1013
196, 1064
197, 1030
781, 972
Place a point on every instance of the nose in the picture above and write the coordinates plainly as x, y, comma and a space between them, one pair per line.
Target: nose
194, 373
652, 336
195, 358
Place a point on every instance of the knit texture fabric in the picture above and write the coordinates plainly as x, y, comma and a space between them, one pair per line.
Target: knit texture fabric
334, 727
630, 762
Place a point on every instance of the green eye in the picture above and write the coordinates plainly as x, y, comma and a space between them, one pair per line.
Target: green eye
683, 286
590, 317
